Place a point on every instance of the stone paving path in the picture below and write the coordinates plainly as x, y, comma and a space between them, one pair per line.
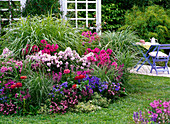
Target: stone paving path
145, 70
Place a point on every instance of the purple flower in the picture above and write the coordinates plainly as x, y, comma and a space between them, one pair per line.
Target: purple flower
117, 88
65, 84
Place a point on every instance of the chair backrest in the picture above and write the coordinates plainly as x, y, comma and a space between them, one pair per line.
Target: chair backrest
164, 47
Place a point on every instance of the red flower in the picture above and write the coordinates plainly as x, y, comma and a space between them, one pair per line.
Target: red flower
66, 71
81, 76
74, 86
18, 84
23, 77
13, 86
76, 78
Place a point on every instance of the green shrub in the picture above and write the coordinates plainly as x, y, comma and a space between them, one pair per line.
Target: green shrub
41, 7
153, 21
112, 18
33, 30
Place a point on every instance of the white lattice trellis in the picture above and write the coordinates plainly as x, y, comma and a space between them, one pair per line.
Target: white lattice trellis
22, 3
64, 9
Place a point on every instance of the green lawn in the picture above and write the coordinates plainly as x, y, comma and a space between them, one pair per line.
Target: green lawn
144, 89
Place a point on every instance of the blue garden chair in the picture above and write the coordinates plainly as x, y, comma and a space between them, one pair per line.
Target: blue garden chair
158, 56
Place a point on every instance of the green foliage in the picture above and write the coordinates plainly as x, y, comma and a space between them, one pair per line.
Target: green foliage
41, 7
112, 17
86, 107
153, 21
100, 100
33, 30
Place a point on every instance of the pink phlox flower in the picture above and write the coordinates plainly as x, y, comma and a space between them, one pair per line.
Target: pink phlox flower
166, 104
4, 69
94, 33
43, 41
158, 110
89, 50
114, 64
102, 51
153, 105
79, 72
109, 51
96, 50
35, 48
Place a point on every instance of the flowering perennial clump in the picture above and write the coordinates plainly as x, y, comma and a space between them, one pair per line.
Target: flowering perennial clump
159, 113
92, 36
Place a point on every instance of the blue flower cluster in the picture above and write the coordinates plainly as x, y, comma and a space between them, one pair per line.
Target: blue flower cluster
2, 99
58, 88
96, 84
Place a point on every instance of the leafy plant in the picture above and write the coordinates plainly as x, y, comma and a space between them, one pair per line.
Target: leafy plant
112, 18
100, 100
86, 107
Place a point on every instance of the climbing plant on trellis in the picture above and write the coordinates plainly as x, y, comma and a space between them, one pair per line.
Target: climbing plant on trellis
77, 6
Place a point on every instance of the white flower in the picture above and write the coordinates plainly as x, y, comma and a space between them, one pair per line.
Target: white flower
82, 67
49, 64
66, 63
58, 65
84, 64
72, 58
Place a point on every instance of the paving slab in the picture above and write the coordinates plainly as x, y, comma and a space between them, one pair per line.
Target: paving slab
145, 70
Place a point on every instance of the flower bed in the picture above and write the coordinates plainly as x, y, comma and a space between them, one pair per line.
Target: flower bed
49, 80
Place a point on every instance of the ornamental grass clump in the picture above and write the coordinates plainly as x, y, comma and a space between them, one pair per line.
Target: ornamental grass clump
31, 30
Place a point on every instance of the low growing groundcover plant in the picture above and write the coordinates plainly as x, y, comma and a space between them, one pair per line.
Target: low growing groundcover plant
49, 80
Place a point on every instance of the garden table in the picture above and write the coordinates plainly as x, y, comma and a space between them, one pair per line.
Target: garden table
150, 47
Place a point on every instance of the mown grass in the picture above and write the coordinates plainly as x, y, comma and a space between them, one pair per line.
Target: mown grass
143, 90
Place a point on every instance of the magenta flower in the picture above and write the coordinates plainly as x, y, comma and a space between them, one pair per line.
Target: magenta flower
159, 111
109, 51
166, 104
102, 51
96, 50
43, 41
